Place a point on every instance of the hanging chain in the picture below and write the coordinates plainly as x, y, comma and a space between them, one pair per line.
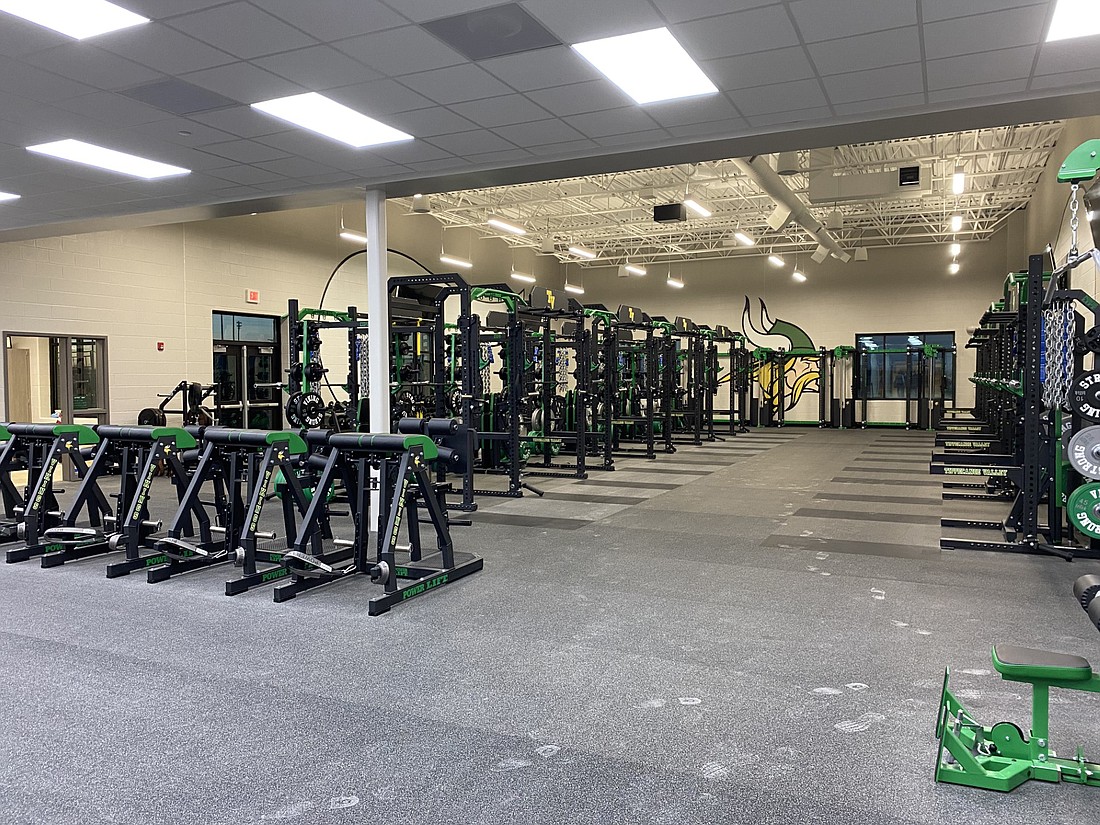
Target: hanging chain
364, 367
1059, 322
1074, 220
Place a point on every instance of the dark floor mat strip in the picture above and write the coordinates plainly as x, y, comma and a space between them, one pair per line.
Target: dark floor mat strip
914, 472
923, 461
858, 548
485, 516
610, 481
665, 470
590, 498
852, 515
891, 482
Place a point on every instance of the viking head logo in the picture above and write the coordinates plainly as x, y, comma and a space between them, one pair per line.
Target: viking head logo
802, 373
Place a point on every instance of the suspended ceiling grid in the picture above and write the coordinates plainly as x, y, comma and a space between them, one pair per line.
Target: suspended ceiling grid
612, 214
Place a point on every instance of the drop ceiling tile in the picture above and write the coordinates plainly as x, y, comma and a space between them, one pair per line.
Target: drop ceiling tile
20, 37
719, 128
95, 67
296, 167
428, 122
612, 122
169, 130
778, 97
756, 30
976, 91
245, 151
538, 132
888, 82
115, 109
245, 175
337, 19
679, 11
653, 137
691, 110
1068, 56
828, 19
35, 83
243, 82
400, 51
317, 68
576, 21
421, 12
242, 30
501, 111
1085, 77
306, 144
569, 147
879, 105
817, 114
867, 51
984, 32
407, 152
498, 158
241, 121
541, 69
466, 143
989, 67
455, 84
945, 9
163, 49
759, 69
379, 98
442, 165
577, 98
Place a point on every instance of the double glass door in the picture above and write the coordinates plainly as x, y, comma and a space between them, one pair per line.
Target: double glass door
248, 387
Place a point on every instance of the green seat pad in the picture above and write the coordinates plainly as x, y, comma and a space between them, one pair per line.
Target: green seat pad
1026, 663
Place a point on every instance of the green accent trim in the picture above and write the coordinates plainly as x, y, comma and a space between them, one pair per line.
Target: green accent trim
315, 314
294, 441
608, 317
1083, 163
489, 295
85, 435
183, 439
4, 434
1040, 673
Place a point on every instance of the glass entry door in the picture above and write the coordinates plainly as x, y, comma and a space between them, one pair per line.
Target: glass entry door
247, 378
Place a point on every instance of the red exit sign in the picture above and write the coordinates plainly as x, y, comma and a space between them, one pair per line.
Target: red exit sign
252, 296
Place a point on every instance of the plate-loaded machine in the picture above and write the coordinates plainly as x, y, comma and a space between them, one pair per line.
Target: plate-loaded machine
45, 448
138, 453
402, 463
240, 468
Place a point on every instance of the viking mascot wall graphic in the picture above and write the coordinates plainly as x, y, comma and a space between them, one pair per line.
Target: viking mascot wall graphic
802, 373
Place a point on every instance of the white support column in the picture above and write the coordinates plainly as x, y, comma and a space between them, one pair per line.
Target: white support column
378, 310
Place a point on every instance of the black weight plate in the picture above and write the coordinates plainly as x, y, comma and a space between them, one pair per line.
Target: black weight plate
151, 417
1091, 340
293, 414
311, 409
1084, 395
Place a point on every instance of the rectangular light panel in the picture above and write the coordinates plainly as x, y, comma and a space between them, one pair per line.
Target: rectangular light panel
319, 114
649, 66
1074, 18
76, 18
91, 155
8, 196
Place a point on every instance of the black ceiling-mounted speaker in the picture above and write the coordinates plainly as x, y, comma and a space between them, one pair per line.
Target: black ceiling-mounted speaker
670, 213
909, 176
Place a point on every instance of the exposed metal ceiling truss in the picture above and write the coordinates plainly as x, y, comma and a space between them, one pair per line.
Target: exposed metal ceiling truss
612, 215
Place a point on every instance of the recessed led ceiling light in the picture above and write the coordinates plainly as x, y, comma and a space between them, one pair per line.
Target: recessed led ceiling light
634, 269
1074, 18
319, 114
649, 66
956, 223
698, 207
505, 226
955, 249
453, 261
357, 237
76, 18
676, 283
798, 276
520, 276
574, 288
775, 260
91, 155
743, 239
581, 252
958, 181
8, 196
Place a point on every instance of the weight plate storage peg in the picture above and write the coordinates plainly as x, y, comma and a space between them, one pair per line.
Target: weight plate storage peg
1084, 452
1084, 395
1084, 509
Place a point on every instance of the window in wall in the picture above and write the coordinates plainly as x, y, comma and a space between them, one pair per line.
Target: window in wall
886, 370
259, 329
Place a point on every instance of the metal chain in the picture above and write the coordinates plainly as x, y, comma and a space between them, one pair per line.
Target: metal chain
1074, 221
1059, 322
364, 366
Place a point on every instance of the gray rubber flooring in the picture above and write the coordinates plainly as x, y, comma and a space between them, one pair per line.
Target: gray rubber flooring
760, 643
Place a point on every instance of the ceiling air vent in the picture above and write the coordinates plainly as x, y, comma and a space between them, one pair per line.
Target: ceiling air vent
494, 32
178, 97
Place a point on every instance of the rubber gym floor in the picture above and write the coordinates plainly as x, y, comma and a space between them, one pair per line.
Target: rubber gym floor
749, 631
